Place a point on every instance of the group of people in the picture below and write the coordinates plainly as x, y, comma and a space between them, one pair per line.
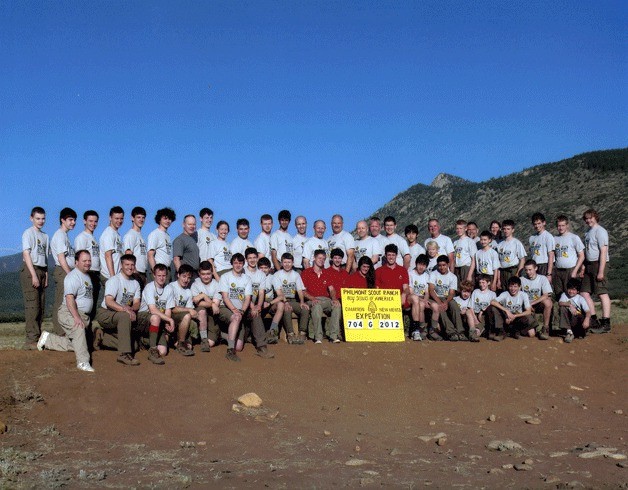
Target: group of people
200, 288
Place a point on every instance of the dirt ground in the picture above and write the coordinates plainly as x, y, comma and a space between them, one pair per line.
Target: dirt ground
407, 415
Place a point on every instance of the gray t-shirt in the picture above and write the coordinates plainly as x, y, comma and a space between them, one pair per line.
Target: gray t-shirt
185, 246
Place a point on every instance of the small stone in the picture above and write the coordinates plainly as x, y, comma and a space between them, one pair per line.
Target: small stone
441, 441
213, 381
250, 400
528, 461
507, 466
506, 445
432, 422
551, 479
617, 456
533, 421
558, 454
357, 449
492, 418
3, 427
356, 462
236, 408
366, 481
325, 352
622, 464
395, 452
522, 467
495, 471
201, 443
618, 412
272, 415
576, 388
571, 364
327, 433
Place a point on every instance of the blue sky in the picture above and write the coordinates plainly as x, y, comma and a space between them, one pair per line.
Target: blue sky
318, 107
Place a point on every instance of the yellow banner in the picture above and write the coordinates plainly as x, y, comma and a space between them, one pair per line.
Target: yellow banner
372, 315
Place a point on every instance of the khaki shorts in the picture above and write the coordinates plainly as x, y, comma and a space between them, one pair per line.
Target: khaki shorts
590, 284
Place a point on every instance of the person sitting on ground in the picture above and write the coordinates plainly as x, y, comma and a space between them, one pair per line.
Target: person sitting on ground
291, 285
184, 312
539, 290
442, 288
477, 316
206, 297
575, 314
466, 308
420, 301
274, 301
513, 308
363, 277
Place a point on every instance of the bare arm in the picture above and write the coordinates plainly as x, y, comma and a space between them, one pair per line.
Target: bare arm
31, 268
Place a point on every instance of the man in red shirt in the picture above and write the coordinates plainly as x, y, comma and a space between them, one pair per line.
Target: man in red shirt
336, 272
392, 275
317, 291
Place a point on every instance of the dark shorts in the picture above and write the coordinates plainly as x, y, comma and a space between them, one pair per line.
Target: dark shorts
590, 284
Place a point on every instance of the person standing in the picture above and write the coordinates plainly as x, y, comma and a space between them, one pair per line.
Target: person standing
110, 245
86, 241
135, 244
63, 255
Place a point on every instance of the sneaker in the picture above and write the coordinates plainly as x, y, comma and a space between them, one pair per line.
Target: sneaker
568, 338
205, 345
84, 366
264, 353
272, 336
496, 336
294, 340
462, 337
473, 336
336, 341
128, 360
97, 339
604, 326
416, 335
155, 357
454, 337
41, 343
184, 349
544, 334
318, 341
232, 356
433, 335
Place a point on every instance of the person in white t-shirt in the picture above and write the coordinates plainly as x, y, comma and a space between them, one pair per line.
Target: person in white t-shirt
343, 240
317, 242
473, 232
365, 245
445, 244
134, 243
236, 291
412, 233
390, 236
539, 291
204, 236
63, 255
443, 285
183, 312
206, 297
74, 314
596, 269
298, 242
219, 252
291, 285
375, 229
281, 240
464, 253
569, 255
542, 246
34, 276
155, 314
574, 312
87, 241
487, 260
512, 254
432, 250
419, 300
241, 242
262, 242
110, 245
159, 244
513, 309
481, 298
254, 318
117, 315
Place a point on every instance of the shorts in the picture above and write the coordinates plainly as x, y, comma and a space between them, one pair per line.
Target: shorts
590, 284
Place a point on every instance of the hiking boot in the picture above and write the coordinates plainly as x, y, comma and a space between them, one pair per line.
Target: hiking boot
453, 337
127, 359
433, 335
41, 343
516, 335
264, 353
272, 336
294, 340
544, 334
155, 357
205, 345
497, 335
336, 340
232, 356
97, 345
416, 336
84, 366
462, 337
183, 348
604, 326
568, 338
473, 336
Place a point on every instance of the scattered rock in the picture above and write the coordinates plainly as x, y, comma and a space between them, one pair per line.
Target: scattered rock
434, 437
522, 467
187, 444
571, 364
327, 433
529, 461
505, 445
495, 471
507, 466
441, 441
533, 421
606, 452
356, 462
250, 400
618, 412
366, 481
201, 443
617, 456
551, 479
432, 422
558, 454
395, 452
492, 418
236, 408
357, 449
576, 388
622, 464
3, 427
371, 472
